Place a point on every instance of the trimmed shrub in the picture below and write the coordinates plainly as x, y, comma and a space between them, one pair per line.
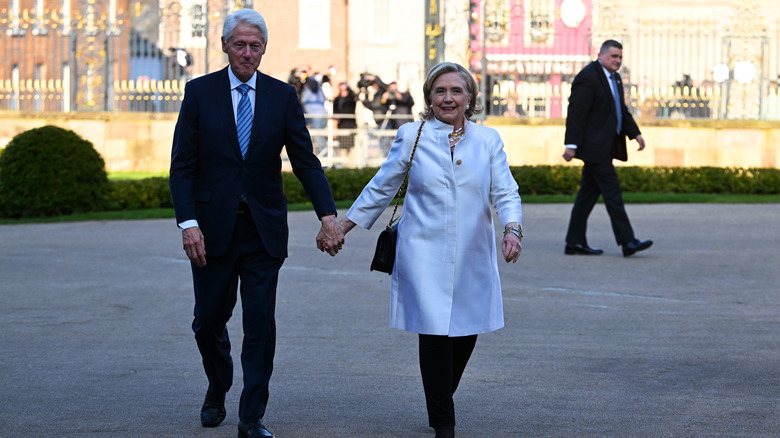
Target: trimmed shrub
346, 184
139, 194
51, 171
546, 180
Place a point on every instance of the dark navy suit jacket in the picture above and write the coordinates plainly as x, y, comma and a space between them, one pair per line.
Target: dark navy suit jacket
208, 173
592, 121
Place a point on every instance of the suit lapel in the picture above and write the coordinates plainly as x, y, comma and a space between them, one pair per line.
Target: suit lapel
261, 97
620, 89
605, 83
224, 104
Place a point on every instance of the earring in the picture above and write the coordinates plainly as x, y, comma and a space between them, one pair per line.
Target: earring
468, 106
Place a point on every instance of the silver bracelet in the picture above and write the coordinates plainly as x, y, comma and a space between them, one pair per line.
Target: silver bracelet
517, 231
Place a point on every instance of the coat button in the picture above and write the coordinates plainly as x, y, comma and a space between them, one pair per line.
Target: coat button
458, 162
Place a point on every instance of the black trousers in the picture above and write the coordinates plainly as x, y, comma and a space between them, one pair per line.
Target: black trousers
216, 285
599, 179
442, 362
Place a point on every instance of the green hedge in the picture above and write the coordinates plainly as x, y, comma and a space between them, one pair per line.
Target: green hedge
346, 184
139, 194
564, 180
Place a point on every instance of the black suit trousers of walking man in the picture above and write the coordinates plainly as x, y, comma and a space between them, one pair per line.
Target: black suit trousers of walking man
599, 179
216, 286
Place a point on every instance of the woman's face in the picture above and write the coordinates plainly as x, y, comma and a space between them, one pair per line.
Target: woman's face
449, 97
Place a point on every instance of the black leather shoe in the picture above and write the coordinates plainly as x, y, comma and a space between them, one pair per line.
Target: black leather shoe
213, 411
582, 250
635, 246
445, 432
253, 430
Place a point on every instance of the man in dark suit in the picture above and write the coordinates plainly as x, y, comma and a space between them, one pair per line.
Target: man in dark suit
597, 124
227, 191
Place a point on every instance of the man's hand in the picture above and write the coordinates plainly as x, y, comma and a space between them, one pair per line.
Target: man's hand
331, 236
568, 154
194, 245
641, 142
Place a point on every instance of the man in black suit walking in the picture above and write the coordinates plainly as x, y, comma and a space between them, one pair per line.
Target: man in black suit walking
229, 200
597, 124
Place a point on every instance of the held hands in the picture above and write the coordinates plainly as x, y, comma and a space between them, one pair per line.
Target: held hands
194, 245
331, 237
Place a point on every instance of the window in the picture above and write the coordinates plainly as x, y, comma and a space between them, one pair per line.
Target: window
198, 12
539, 22
15, 28
382, 16
192, 28
38, 27
314, 24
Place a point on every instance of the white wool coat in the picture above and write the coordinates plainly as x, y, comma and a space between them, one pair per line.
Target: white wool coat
445, 279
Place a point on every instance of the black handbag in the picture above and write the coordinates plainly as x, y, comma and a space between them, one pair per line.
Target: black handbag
384, 255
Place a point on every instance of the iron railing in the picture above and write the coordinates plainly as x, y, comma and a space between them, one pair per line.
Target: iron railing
101, 57
680, 67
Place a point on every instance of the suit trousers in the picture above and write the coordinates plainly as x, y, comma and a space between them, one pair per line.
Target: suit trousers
599, 179
442, 362
216, 287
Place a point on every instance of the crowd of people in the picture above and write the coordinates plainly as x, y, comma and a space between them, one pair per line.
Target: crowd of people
390, 106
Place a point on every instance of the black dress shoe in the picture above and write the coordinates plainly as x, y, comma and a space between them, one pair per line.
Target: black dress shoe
253, 430
445, 432
213, 411
582, 250
635, 246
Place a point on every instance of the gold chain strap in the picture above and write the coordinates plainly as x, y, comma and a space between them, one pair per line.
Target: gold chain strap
406, 177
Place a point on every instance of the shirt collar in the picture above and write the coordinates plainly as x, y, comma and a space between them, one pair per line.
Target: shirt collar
604, 69
235, 82
439, 125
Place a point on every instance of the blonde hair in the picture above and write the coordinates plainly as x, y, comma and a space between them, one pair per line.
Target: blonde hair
471, 88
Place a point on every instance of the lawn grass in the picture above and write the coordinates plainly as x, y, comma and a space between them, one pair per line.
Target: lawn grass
124, 176
629, 198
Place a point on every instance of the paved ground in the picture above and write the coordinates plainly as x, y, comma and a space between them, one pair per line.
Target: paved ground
682, 340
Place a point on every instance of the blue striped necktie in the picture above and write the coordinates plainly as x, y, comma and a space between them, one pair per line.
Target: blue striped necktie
618, 107
244, 119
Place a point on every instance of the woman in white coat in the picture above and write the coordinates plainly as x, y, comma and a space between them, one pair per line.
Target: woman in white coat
445, 284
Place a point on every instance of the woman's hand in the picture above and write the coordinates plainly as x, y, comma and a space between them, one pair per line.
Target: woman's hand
346, 225
511, 247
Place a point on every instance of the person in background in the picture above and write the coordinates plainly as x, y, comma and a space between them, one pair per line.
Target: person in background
229, 200
344, 104
397, 103
445, 284
597, 124
372, 89
313, 100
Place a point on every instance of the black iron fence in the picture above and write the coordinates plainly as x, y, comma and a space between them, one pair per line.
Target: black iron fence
102, 57
678, 68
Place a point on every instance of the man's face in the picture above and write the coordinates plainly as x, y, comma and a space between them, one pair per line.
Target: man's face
611, 59
245, 50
